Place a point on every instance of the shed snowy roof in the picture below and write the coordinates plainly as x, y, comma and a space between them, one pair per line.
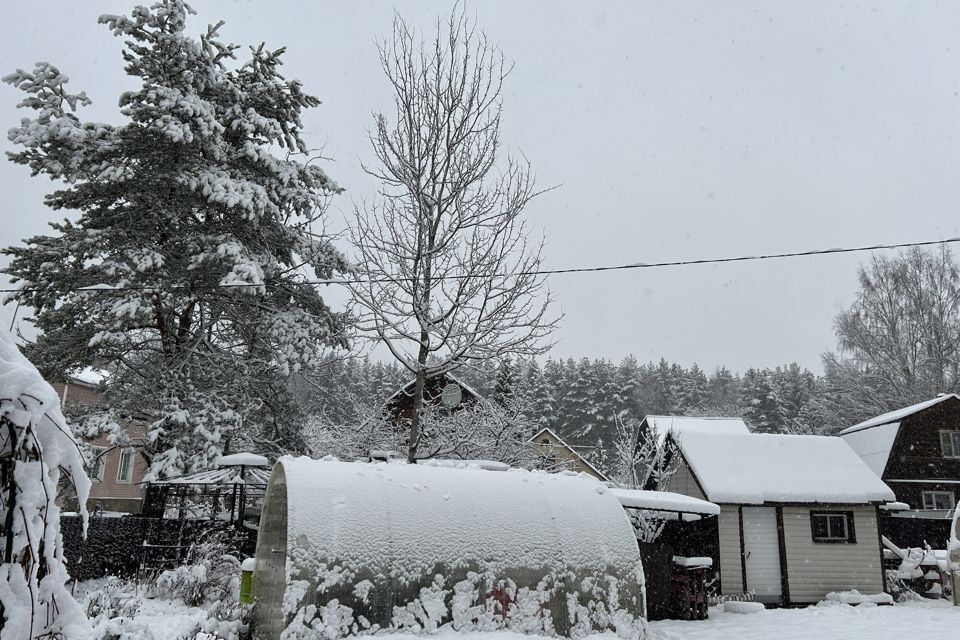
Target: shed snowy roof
664, 501
678, 425
757, 468
899, 414
411, 517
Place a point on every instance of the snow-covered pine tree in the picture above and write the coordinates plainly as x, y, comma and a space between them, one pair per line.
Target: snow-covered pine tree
761, 406
183, 271
505, 382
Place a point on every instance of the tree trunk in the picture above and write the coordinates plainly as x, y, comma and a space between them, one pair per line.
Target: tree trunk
414, 440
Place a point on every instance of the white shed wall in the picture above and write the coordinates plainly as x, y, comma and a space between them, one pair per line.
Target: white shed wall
815, 569
731, 568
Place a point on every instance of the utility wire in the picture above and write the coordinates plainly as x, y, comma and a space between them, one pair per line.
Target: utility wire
544, 272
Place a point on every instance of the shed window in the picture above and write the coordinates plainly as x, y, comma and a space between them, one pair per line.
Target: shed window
950, 444
832, 526
125, 469
940, 500
98, 462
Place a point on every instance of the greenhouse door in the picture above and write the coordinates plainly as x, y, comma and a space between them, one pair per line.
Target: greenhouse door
761, 553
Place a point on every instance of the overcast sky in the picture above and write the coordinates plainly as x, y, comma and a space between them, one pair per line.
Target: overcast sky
674, 131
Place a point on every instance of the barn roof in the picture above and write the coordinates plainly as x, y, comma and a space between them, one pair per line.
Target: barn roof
899, 414
678, 425
756, 468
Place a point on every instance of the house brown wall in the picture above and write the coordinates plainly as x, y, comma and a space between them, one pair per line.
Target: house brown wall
916, 455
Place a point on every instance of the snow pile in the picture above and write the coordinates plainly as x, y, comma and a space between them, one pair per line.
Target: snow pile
743, 607
692, 563
34, 433
757, 468
379, 546
242, 459
855, 597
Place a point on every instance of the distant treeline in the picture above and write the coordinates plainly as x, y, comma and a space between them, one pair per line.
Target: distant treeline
582, 399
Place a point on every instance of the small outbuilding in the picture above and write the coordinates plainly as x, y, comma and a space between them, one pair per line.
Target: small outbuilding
349, 547
798, 514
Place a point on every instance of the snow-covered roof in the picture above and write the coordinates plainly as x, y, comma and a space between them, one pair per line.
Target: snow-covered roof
678, 425
664, 501
243, 459
899, 414
450, 378
222, 476
873, 445
757, 468
88, 376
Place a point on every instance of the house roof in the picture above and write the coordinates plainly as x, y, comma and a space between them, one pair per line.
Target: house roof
561, 442
678, 425
899, 414
449, 376
873, 444
756, 468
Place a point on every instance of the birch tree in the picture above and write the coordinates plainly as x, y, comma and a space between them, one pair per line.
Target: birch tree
450, 272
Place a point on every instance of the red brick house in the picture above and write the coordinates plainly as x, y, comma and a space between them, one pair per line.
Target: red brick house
116, 471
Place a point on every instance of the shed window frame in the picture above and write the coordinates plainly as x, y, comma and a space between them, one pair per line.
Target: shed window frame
829, 520
950, 443
932, 504
125, 478
99, 463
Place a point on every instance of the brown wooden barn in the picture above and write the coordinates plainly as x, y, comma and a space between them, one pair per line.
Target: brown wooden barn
444, 390
916, 451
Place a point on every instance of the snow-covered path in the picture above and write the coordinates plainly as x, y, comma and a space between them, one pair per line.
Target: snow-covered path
928, 620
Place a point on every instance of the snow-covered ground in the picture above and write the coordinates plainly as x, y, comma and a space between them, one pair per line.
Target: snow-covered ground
929, 620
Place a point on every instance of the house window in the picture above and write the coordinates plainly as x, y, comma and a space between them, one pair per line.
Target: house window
98, 462
950, 444
832, 526
125, 469
940, 500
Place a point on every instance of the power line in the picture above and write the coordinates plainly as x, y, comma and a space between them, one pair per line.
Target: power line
544, 272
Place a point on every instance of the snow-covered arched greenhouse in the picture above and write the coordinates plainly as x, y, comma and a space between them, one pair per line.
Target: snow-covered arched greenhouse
349, 547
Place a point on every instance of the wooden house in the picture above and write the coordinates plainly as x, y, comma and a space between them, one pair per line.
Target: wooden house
444, 390
557, 455
116, 472
916, 451
798, 514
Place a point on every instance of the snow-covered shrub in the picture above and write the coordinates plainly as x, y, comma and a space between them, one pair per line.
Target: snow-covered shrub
120, 629
209, 573
112, 598
225, 620
35, 445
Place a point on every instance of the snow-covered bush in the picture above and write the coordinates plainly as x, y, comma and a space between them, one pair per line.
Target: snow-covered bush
209, 573
224, 620
35, 446
112, 598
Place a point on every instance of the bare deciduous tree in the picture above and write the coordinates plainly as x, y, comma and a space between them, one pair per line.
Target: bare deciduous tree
449, 272
904, 328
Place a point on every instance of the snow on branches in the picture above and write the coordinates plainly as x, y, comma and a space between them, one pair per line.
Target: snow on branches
183, 272
35, 446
